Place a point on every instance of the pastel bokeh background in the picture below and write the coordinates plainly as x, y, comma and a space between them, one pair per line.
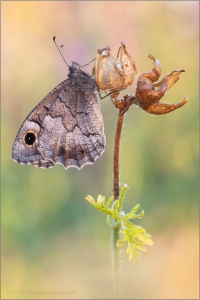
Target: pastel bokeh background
53, 241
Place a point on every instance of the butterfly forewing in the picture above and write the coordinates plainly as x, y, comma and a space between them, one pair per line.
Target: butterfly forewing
66, 127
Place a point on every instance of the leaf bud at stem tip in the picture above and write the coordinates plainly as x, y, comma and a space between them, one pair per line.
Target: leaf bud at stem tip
125, 186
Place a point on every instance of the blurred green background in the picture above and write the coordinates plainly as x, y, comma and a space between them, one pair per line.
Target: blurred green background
52, 239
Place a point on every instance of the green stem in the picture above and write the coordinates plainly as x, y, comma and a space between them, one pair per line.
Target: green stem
116, 263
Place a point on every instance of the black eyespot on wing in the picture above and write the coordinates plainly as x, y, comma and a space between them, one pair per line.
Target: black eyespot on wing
30, 138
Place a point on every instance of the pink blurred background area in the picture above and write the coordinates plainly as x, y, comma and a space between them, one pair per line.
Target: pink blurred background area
54, 244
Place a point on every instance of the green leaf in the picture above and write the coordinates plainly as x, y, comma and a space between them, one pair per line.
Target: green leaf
122, 196
100, 200
90, 200
135, 236
109, 202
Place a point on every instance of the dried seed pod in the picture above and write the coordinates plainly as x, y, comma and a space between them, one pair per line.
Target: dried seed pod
114, 75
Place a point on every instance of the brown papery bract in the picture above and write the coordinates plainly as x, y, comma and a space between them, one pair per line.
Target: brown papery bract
113, 75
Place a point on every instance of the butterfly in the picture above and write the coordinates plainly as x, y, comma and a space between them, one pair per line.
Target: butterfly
65, 128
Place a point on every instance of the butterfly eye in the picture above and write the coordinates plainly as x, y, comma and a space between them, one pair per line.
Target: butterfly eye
30, 138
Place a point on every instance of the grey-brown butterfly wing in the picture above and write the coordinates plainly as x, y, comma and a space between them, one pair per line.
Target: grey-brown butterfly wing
66, 127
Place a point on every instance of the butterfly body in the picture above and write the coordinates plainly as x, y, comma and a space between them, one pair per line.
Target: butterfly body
66, 127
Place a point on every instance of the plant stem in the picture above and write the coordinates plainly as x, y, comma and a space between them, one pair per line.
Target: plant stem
116, 154
116, 264
115, 230
123, 105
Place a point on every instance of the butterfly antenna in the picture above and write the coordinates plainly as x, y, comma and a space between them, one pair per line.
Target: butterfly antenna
60, 51
88, 63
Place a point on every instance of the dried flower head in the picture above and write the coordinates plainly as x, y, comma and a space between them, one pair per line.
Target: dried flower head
149, 93
114, 75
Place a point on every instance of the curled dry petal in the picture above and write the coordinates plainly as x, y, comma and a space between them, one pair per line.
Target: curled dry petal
126, 65
172, 78
164, 108
114, 75
149, 93
155, 73
105, 72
